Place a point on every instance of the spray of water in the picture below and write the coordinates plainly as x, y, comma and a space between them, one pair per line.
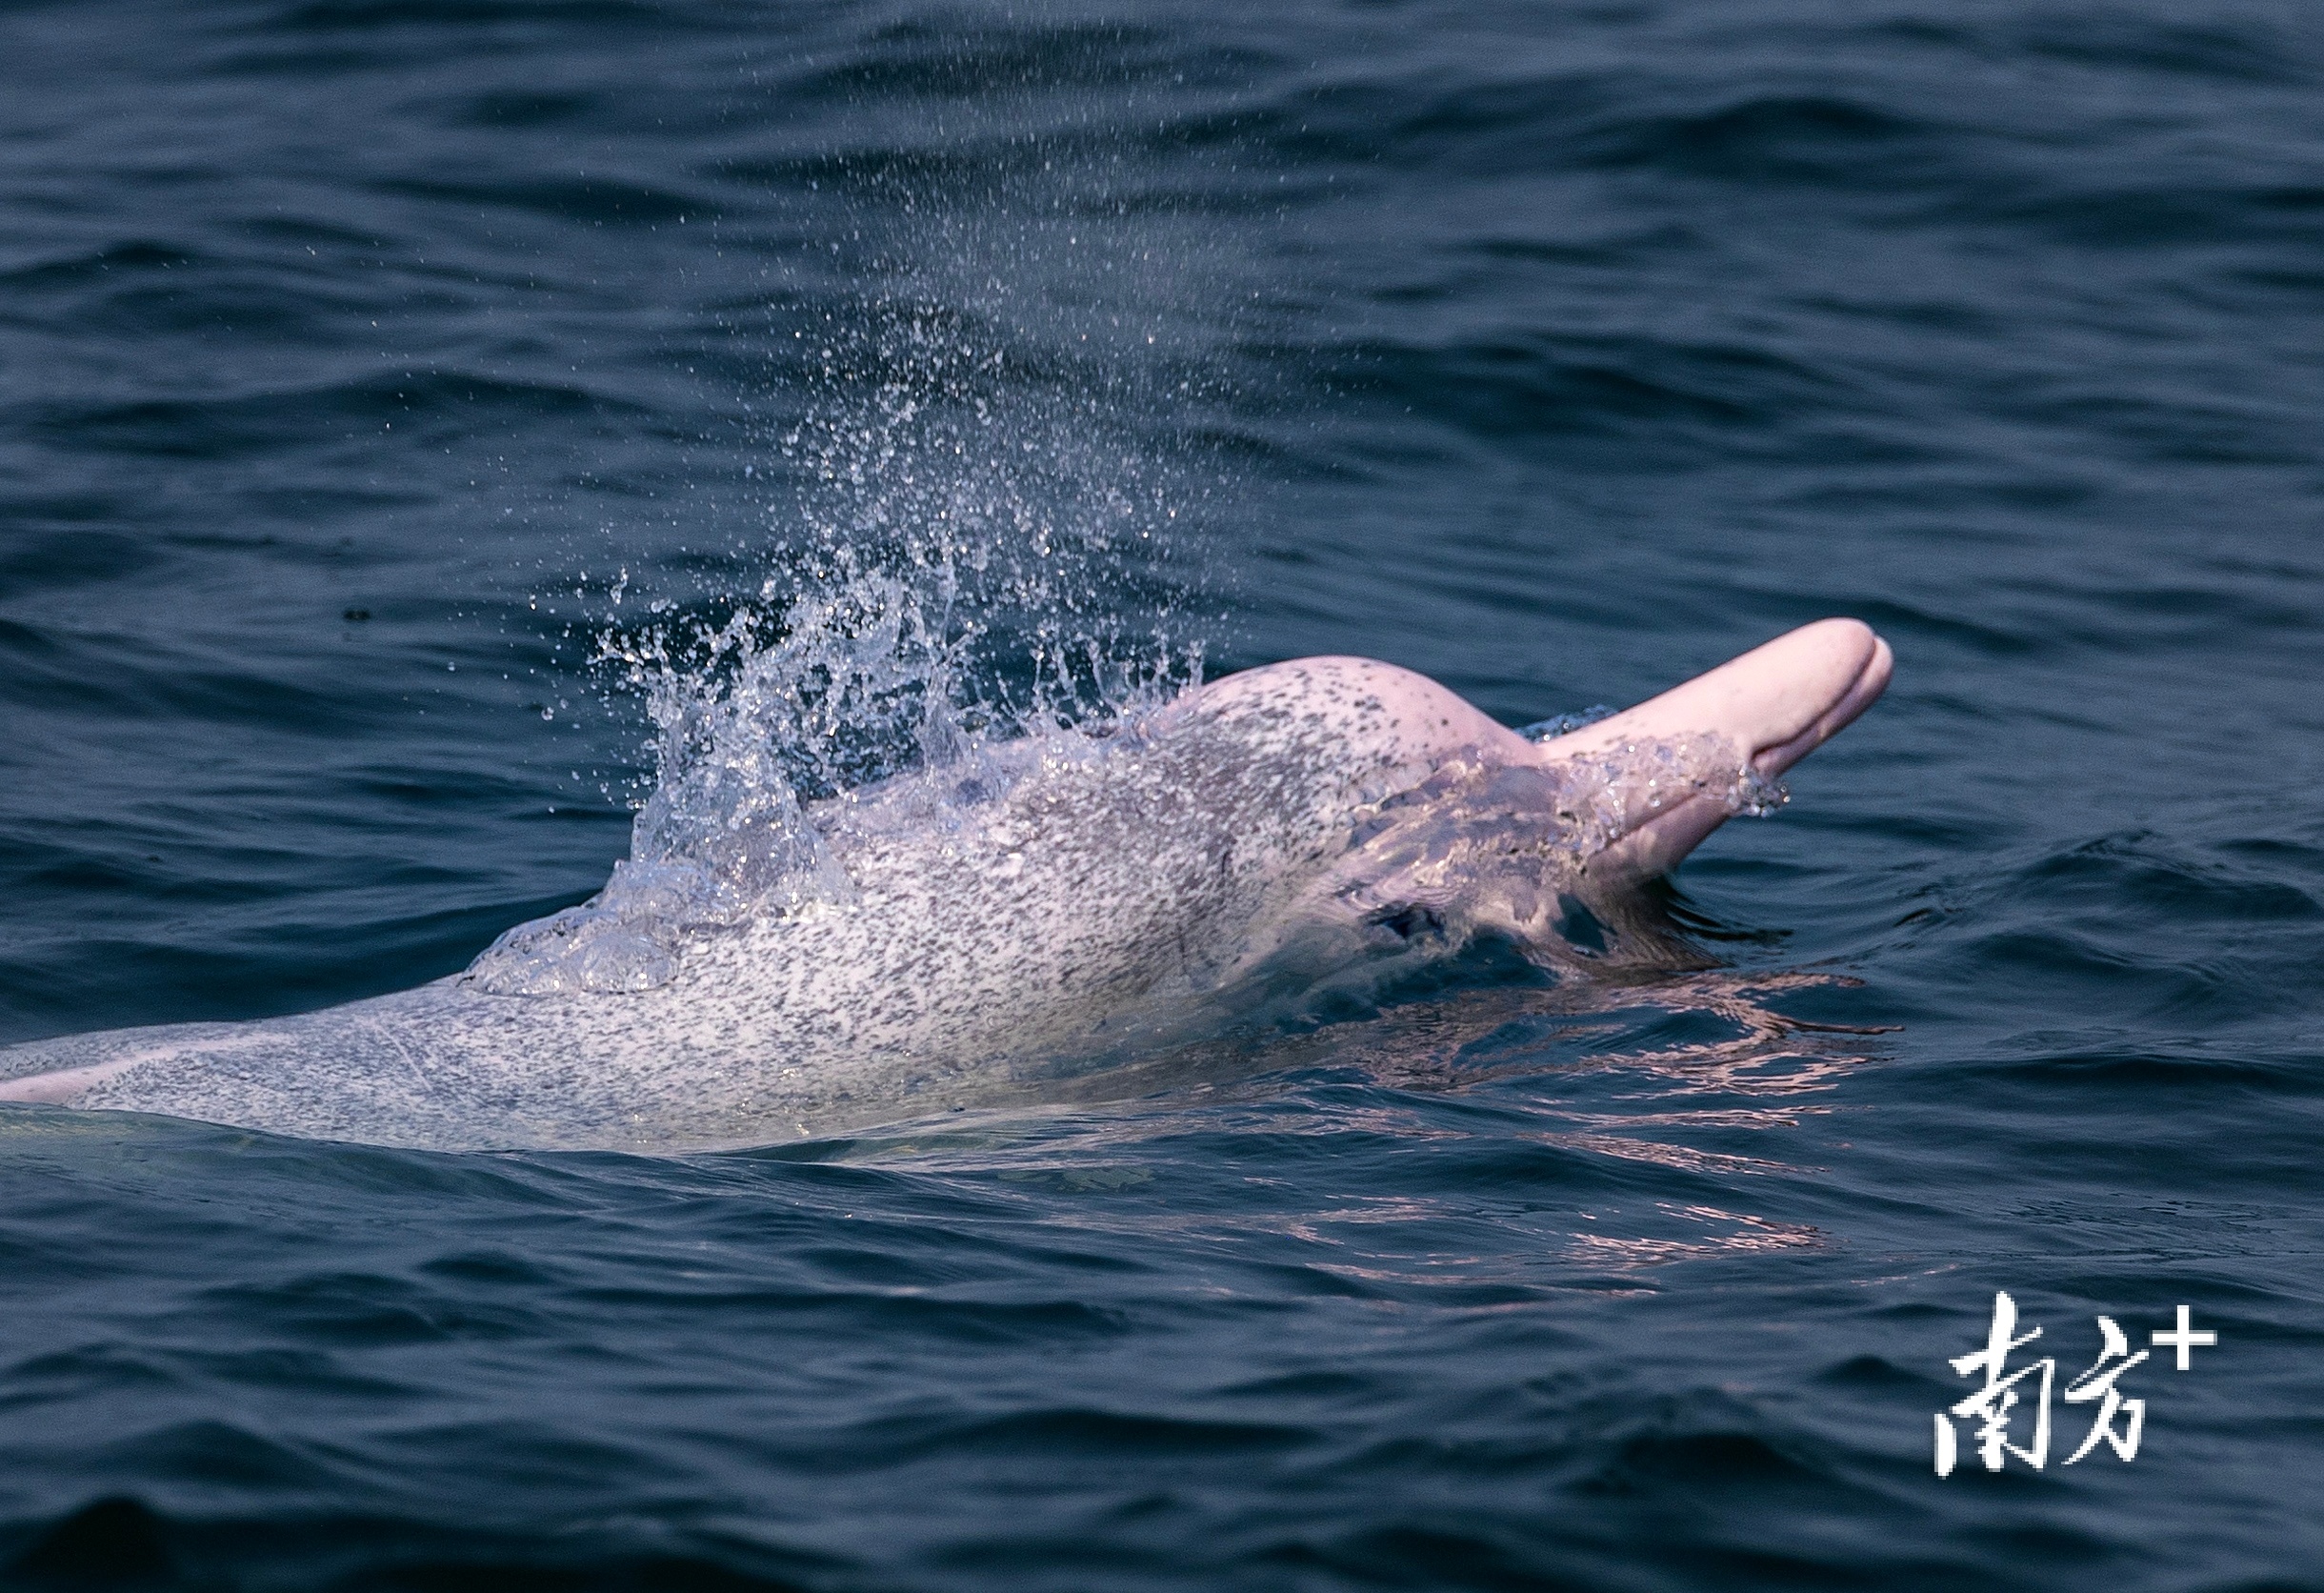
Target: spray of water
964, 554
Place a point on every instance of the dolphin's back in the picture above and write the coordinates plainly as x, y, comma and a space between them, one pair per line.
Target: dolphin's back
1066, 899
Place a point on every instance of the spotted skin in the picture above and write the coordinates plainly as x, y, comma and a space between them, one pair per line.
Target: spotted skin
1058, 905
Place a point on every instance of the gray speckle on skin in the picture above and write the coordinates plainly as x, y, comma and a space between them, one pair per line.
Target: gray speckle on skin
1067, 902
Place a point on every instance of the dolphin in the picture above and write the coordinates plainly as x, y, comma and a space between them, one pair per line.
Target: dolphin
1026, 912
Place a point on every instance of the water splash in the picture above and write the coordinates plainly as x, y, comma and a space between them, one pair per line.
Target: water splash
967, 552
1470, 819
1606, 795
1564, 724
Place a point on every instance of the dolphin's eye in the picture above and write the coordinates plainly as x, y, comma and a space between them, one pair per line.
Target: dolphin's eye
1579, 927
1409, 922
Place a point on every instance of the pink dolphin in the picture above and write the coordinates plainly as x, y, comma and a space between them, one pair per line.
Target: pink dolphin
1038, 908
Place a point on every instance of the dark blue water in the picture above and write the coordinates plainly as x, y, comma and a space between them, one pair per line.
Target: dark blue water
363, 362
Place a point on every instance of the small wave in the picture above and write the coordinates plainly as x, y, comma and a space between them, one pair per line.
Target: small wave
1773, 138
325, 16
595, 200
1554, 386
913, 60
255, 423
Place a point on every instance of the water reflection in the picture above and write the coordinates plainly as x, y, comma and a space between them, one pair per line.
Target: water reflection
1654, 1102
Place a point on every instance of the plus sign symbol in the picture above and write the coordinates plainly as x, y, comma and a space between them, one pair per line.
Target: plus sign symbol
2184, 1337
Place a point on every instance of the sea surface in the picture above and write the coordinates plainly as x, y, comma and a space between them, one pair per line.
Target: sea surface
395, 394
